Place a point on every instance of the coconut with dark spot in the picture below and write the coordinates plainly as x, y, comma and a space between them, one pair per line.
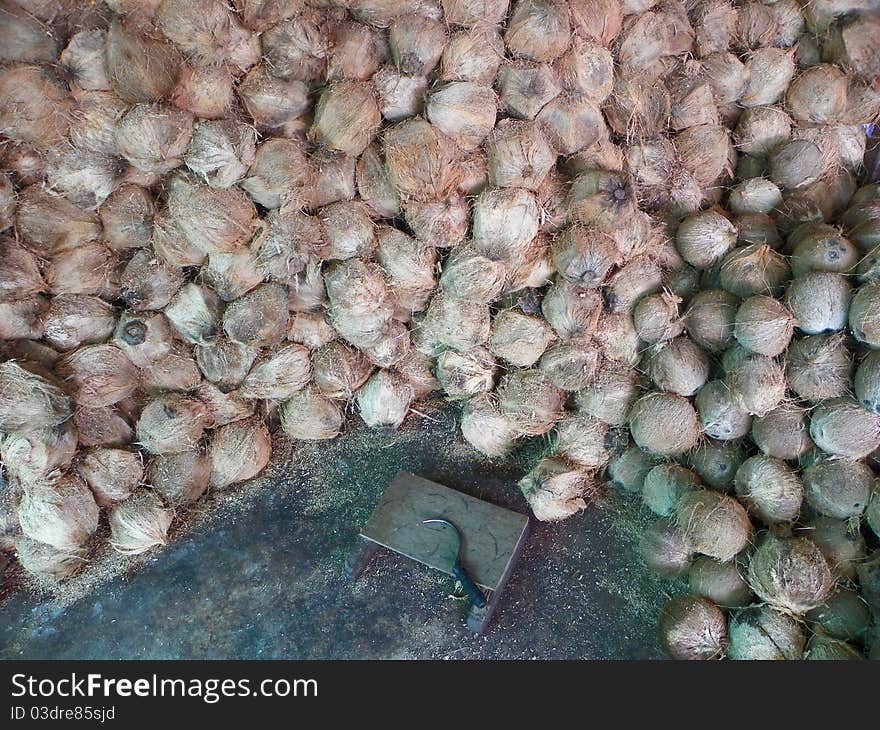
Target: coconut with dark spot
171, 423
720, 416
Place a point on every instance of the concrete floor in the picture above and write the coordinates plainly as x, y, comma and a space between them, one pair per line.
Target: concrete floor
261, 575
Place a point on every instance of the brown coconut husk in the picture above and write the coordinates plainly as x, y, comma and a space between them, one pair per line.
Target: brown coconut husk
465, 111
524, 88
279, 375
361, 303
144, 338
790, 573
664, 424
714, 26
504, 224
23, 37
99, 375
583, 256
44, 561
665, 550
259, 318
704, 238
346, 117
571, 310
469, 276
839, 488
180, 478
339, 370
274, 103
572, 122
485, 428
852, 44
171, 246
639, 277
584, 440
454, 323
602, 198
139, 524
24, 162
420, 160
284, 246
466, 374
819, 367
20, 275
356, 52
311, 329
281, 174
49, 224
519, 338
693, 627
74, 320
384, 400
112, 474
92, 126
171, 423
410, 266
195, 313
783, 432
205, 91
349, 231
442, 224
86, 178
153, 137
840, 426
38, 454
28, 400
34, 108
770, 490
556, 489
715, 524
617, 338
416, 43
374, 184
473, 54
819, 301
716, 462
22, 318
399, 96
760, 129
90, 269
754, 269
638, 107
763, 325
678, 366
587, 68
177, 371
102, 427
127, 218
140, 68
418, 370
310, 416
538, 30
306, 292
817, 95
756, 383
223, 408
530, 401
468, 12
656, 317
239, 451
798, 163
60, 512
7, 201
297, 48
391, 346
221, 152
665, 485
571, 365
232, 274
769, 72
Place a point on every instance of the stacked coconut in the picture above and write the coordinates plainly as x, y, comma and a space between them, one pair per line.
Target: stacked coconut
630, 227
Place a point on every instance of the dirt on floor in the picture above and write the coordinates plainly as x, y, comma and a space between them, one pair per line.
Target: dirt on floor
258, 571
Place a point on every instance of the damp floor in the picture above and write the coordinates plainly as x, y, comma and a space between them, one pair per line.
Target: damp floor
261, 574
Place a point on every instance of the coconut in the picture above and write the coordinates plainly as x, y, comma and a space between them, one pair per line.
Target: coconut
311, 329
440, 224
755, 195
852, 43
863, 318
704, 238
584, 440
817, 95
469, 276
763, 325
665, 550
772, 491
486, 429
628, 469
180, 478
572, 122
530, 401
416, 43
664, 424
361, 303
297, 48
140, 68
763, 633
467, 12
346, 117
840, 426
678, 366
827, 649
310, 416
584, 256
525, 88
721, 583
273, 103
39, 453
356, 52
819, 367
692, 627
221, 152
761, 129
139, 524
392, 344
756, 383
112, 474
20, 275
154, 138
602, 198
783, 433
399, 96
102, 427
334, 177
207, 91
375, 186
384, 400
231, 275
339, 370
239, 451
790, 574
867, 382
145, 339
518, 338
839, 488
24, 162
85, 177
651, 163
259, 318
534, 271
769, 72
656, 317
172, 247
556, 489
99, 375
505, 221
92, 126
720, 417
728, 75
465, 111
348, 231
571, 365
752, 270
519, 154
798, 163
710, 317
664, 486
617, 338
538, 30
693, 98
89, 269
44, 561
208, 33
171, 423
610, 395
195, 313
420, 160
177, 371
7, 201
279, 375
127, 218
714, 26
715, 524
50, 224
872, 513
74, 320
417, 369
467, 374
717, 462
455, 323
23, 37
34, 108
869, 579
282, 252
60, 512
706, 152
281, 174
222, 408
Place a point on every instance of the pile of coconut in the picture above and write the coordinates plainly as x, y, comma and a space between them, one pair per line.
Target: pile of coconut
629, 229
